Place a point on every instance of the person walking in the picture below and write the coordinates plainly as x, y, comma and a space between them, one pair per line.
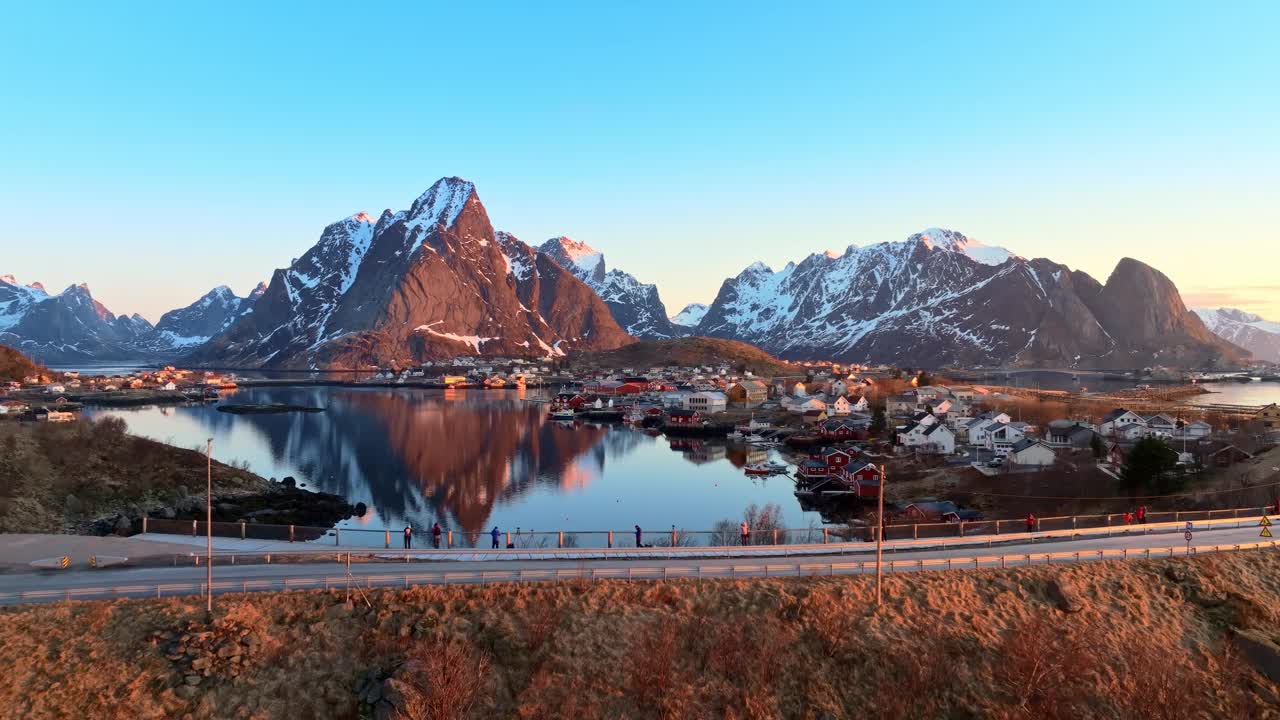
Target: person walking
1031, 522
746, 532
638, 535
1142, 514
408, 537
1128, 517
494, 534
435, 536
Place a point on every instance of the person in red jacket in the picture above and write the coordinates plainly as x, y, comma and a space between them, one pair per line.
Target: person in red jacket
1142, 514
1031, 522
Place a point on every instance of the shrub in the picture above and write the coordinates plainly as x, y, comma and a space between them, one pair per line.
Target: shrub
441, 680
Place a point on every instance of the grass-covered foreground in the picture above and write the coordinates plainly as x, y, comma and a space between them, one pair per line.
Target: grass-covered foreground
1160, 639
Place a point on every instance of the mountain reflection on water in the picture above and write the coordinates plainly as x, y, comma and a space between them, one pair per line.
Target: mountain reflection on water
474, 459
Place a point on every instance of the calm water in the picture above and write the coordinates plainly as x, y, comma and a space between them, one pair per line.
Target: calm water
475, 459
1254, 393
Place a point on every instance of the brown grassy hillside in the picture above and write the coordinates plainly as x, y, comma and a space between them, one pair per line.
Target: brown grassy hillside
56, 477
1151, 639
689, 351
16, 366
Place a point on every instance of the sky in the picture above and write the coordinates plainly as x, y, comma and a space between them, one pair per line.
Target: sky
156, 151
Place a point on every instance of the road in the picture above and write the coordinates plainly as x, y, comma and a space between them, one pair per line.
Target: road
47, 586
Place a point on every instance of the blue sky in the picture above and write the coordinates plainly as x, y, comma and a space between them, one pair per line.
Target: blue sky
155, 151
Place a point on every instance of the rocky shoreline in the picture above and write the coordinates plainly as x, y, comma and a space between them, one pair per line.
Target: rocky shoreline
280, 503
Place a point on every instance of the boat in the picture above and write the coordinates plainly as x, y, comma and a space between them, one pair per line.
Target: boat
495, 383
736, 435
563, 414
758, 469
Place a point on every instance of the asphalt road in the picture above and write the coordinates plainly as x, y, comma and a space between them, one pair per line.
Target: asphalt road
55, 585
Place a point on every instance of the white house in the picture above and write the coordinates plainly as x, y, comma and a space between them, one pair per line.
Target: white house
838, 388
55, 389
932, 438
1118, 418
1029, 451
984, 423
1130, 432
674, 399
1193, 431
169, 386
1002, 436
1162, 425
899, 405
706, 402
841, 406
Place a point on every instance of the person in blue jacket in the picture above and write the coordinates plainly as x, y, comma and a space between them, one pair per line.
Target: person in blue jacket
494, 534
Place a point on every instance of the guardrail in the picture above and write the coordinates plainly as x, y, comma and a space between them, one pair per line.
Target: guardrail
533, 540
733, 570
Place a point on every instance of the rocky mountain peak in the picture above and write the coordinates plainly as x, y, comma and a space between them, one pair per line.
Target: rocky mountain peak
957, 242
441, 204
577, 257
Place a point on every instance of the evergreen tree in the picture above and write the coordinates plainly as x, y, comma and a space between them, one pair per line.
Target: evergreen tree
1151, 466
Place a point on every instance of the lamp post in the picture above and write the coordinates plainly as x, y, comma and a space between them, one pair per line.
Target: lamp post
208, 527
880, 535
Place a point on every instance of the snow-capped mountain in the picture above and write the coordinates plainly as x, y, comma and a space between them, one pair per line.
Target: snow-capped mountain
194, 324
942, 299
68, 327
1249, 331
434, 281
636, 306
690, 316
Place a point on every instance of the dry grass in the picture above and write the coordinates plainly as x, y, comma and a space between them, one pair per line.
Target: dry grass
1150, 642
57, 476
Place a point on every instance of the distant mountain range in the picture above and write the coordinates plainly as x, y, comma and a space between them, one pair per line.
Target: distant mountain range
71, 327
1249, 331
437, 281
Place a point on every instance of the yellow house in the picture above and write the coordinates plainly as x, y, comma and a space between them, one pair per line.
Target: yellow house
1269, 416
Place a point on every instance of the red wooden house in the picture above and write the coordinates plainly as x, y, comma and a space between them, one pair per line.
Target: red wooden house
865, 480
684, 417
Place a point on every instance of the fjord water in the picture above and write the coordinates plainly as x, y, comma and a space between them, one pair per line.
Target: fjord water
473, 459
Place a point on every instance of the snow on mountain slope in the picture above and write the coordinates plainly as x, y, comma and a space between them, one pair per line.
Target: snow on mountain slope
1249, 331
433, 282
67, 327
194, 324
929, 301
959, 243
16, 300
636, 306
691, 315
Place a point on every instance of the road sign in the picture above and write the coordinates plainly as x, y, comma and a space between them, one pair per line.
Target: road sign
1265, 524
64, 562
1189, 526
1187, 535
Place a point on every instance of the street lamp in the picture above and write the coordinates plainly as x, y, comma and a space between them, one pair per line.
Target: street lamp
208, 527
880, 535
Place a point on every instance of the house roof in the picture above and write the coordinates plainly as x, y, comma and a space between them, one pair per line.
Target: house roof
936, 427
1025, 443
1114, 414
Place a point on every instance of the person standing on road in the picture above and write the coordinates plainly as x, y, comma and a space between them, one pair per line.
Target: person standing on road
494, 534
638, 543
435, 535
1142, 514
408, 537
1031, 522
746, 532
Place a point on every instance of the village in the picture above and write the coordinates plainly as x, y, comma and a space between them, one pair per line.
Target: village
834, 429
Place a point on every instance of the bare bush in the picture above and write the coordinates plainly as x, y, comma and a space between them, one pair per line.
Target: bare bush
442, 680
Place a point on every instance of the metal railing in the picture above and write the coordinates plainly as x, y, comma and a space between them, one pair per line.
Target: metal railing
534, 540
733, 570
